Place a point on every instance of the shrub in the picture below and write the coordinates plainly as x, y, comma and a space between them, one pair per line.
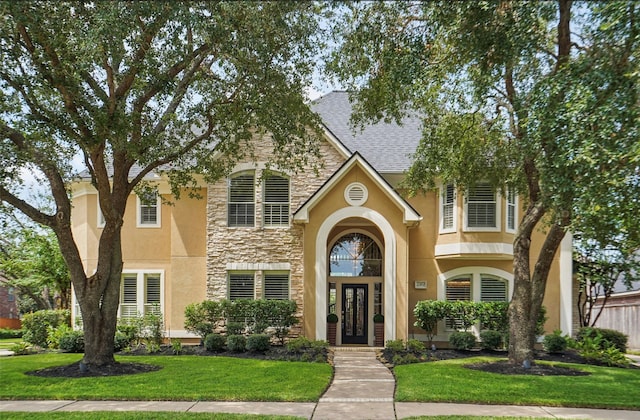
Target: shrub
152, 330
490, 339
35, 325
214, 342
54, 335
176, 346
120, 341
378, 319
283, 317
72, 342
235, 328
203, 318
415, 346
20, 348
598, 350
494, 316
130, 331
395, 345
615, 338
299, 345
464, 312
332, 318
428, 313
555, 343
9, 333
237, 343
462, 340
258, 343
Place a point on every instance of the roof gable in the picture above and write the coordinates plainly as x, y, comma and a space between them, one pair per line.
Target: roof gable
410, 215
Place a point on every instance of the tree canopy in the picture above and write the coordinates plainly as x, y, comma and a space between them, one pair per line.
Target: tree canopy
538, 96
131, 88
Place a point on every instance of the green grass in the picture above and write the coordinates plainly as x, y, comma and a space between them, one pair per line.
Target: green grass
449, 381
7, 343
137, 415
186, 378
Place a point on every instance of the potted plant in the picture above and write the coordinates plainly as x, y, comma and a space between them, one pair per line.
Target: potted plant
378, 330
332, 323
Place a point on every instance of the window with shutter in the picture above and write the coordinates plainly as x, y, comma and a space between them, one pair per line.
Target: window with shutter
276, 201
241, 286
493, 290
457, 289
241, 201
152, 294
447, 215
276, 286
129, 299
481, 206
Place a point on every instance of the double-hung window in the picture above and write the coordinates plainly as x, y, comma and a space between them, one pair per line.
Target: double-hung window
276, 201
447, 209
481, 208
140, 294
149, 210
455, 290
241, 201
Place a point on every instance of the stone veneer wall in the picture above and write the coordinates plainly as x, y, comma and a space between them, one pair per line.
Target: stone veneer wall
253, 248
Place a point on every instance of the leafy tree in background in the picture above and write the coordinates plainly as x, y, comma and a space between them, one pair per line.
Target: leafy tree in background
541, 97
31, 262
132, 88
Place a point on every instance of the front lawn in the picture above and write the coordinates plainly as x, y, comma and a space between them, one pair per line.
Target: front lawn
188, 378
138, 415
449, 381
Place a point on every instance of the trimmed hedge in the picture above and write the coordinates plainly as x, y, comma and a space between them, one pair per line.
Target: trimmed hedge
258, 343
36, 325
462, 340
214, 342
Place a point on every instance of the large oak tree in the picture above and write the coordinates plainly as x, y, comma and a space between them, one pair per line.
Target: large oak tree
539, 96
134, 87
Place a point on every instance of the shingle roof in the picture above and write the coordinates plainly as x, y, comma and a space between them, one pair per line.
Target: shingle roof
388, 147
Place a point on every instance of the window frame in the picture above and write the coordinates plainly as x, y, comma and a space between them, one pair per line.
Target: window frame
241, 273
497, 216
511, 203
141, 306
444, 196
266, 274
282, 204
237, 203
139, 206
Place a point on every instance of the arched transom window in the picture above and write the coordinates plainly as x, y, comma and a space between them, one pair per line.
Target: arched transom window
355, 254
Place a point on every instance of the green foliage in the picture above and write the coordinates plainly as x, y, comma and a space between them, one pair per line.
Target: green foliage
20, 348
35, 325
72, 342
555, 343
237, 343
465, 313
308, 350
235, 328
428, 313
494, 316
612, 337
121, 341
128, 332
491, 340
9, 333
415, 346
596, 349
54, 335
332, 318
395, 345
258, 343
215, 342
32, 263
176, 346
203, 318
378, 318
462, 340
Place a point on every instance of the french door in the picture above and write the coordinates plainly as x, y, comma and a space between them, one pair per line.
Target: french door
354, 314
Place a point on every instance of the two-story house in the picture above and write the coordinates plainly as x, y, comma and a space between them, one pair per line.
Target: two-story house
345, 240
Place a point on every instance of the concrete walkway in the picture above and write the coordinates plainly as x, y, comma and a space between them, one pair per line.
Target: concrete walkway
362, 388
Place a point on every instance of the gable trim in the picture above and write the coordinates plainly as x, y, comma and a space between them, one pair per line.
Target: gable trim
410, 215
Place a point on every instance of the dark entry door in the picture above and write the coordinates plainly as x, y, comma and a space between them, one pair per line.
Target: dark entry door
354, 314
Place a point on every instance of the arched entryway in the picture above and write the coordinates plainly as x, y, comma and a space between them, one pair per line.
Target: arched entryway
356, 285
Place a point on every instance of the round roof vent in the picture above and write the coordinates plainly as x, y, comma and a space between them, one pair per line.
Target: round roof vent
356, 194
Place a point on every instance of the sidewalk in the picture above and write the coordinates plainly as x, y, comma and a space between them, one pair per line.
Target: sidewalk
362, 388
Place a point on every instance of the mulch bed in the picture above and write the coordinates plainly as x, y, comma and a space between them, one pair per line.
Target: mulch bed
80, 370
